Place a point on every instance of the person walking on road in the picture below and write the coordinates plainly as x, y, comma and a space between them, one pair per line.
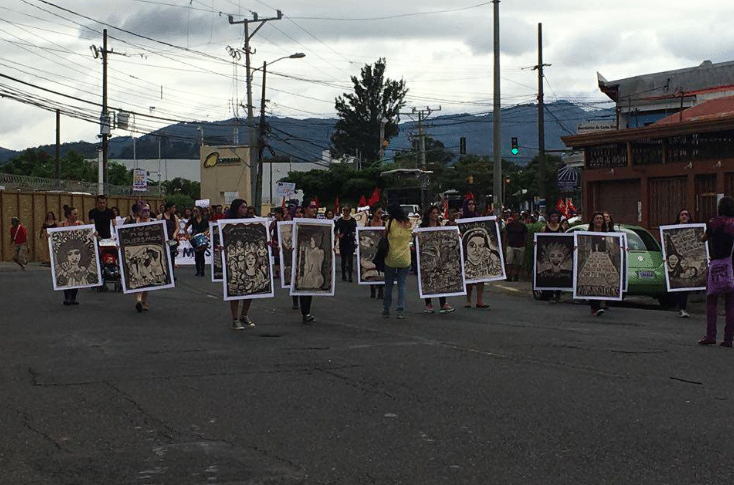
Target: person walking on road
346, 229
240, 319
310, 211
376, 221
103, 218
397, 261
597, 224
199, 225
72, 219
430, 219
172, 226
517, 234
720, 237
19, 242
141, 297
469, 210
681, 297
553, 226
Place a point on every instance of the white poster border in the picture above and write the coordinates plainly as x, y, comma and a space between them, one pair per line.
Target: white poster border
309, 221
620, 237
359, 266
281, 268
499, 249
535, 258
251, 221
665, 255
166, 251
88, 227
418, 261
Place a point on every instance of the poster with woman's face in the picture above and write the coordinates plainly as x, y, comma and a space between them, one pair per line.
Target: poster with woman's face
216, 259
598, 265
686, 256
313, 271
368, 238
440, 257
483, 258
74, 257
285, 246
145, 259
246, 269
553, 262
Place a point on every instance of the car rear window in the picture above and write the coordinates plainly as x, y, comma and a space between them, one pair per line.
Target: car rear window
641, 240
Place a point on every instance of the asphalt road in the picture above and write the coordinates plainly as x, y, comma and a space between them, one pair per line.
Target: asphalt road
526, 392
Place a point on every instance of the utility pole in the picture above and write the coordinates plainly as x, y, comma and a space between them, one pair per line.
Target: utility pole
497, 197
422, 115
254, 172
58, 144
541, 118
261, 148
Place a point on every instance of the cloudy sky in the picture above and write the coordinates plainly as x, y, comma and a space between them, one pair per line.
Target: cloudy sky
171, 61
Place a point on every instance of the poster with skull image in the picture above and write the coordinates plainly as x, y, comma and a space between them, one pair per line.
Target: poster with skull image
483, 258
74, 257
553, 262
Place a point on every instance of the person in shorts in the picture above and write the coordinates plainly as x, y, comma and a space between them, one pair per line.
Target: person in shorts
517, 235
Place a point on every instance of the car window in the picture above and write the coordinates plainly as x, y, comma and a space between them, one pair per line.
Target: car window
640, 240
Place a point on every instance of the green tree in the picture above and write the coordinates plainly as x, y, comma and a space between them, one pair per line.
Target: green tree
182, 186
360, 113
338, 180
437, 156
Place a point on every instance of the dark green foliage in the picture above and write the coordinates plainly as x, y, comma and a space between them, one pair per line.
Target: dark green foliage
360, 113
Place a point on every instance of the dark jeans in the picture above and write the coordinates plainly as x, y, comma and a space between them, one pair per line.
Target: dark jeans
70, 295
682, 300
347, 262
199, 261
305, 302
711, 303
595, 304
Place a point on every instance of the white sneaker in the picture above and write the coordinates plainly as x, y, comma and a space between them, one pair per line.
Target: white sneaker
683, 314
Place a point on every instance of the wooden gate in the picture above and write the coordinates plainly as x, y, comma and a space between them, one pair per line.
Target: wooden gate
667, 197
705, 197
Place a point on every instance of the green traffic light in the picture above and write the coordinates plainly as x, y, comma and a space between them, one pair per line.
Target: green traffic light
515, 151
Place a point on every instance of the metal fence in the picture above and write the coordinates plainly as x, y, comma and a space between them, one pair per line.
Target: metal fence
24, 182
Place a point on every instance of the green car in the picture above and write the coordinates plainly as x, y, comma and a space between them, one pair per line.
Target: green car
645, 266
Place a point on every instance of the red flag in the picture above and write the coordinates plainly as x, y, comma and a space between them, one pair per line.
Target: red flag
336, 205
316, 201
561, 207
375, 197
469, 196
283, 204
362, 202
446, 208
570, 208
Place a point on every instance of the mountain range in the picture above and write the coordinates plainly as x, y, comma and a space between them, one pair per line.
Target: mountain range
305, 139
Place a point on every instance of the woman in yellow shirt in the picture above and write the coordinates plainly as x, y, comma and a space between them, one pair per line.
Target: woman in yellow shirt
397, 261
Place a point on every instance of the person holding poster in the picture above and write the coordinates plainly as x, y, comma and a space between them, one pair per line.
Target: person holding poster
598, 224
345, 229
430, 219
553, 226
72, 262
468, 211
681, 297
720, 236
199, 227
141, 298
238, 210
397, 261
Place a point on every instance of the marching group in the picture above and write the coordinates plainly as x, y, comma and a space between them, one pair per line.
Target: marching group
398, 260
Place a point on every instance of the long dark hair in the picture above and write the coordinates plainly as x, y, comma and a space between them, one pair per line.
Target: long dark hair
396, 212
603, 224
726, 207
677, 218
427, 215
234, 208
465, 212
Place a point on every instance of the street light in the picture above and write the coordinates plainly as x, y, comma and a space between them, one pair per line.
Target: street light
257, 196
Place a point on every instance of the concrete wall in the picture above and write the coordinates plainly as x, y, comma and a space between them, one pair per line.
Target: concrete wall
31, 209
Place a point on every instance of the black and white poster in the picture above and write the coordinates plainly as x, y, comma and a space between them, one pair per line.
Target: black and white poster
598, 265
145, 258
74, 257
553, 262
686, 256
313, 271
440, 262
285, 246
246, 269
216, 256
367, 240
483, 258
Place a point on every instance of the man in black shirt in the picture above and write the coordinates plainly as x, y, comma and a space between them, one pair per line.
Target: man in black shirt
345, 229
102, 217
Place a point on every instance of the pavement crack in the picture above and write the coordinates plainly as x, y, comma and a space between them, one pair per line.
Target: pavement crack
350, 382
26, 419
686, 381
171, 432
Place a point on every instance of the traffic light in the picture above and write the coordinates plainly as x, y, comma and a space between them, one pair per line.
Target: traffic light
514, 150
462, 145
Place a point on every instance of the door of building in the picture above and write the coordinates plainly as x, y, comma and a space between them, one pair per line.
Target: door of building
705, 197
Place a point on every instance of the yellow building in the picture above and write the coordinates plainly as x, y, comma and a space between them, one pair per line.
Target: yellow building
225, 173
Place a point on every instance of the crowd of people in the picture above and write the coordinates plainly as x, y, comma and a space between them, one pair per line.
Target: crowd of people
190, 222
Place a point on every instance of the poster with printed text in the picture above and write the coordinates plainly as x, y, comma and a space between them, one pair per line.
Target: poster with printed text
246, 269
553, 262
367, 239
686, 256
285, 246
313, 271
74, 257
216, 256
598, 265
440, 262
145, 259
482, 249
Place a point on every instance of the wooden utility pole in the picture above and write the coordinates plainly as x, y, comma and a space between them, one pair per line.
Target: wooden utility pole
58, 144
497, 197
541, 118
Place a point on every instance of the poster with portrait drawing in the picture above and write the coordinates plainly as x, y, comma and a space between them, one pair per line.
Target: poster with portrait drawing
686, 256
368, 238
598, 264
440, 262
285, 246
74, 257
553, 262
145, 259
246, 269
313, 271
483, 258
216, 258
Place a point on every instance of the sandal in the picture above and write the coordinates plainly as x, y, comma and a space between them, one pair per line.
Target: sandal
482, 305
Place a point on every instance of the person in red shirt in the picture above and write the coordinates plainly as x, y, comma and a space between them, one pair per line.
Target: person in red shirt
19, 241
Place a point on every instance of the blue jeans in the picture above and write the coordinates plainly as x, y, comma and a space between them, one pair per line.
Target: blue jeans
392, 274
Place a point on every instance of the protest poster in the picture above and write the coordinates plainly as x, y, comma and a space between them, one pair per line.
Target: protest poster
553, 262
145, 259
482, 249
686, 256
367, 240
598, 265
440, 262
74, 257
246, 269
313, 271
